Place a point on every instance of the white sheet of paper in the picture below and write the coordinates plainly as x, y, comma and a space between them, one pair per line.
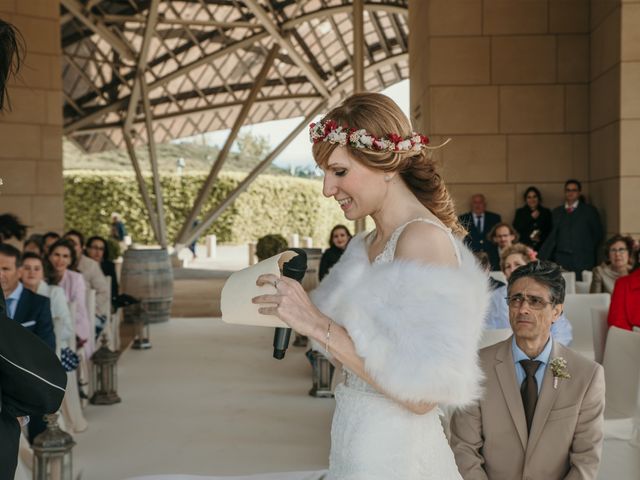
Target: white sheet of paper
241, 287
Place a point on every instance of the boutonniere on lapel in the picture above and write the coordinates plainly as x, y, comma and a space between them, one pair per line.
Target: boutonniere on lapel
558, 368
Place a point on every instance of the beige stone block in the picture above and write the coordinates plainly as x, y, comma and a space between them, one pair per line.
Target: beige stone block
54, 107
601, 9
630, 90
462, 17
27, 106
523, 59
576, 108
532, 109
604, 152
629, 201
39, 8
573, 58
629, 147
504, 17
630, 36
460, 60
534, 158
17, 141
569, 16
19, 205
501, 197
464, 110
18, 177
35, 72
42, 34
7, 6
48, 210
49, 178
605, 99
605, 196
52, 143
581, 156
475, 159
605, 45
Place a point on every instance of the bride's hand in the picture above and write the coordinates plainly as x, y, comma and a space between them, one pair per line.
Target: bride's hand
291, 304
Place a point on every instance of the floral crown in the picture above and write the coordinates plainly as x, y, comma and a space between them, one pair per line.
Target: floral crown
330, 131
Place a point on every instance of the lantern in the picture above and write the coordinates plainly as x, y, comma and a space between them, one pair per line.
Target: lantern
105, 378
52, 452
322, 375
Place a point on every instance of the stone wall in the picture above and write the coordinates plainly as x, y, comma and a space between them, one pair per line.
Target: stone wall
31, 133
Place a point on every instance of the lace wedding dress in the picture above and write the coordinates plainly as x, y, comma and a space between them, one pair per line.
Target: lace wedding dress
375, 438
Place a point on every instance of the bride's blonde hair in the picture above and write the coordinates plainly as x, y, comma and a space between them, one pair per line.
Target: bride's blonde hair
380, 116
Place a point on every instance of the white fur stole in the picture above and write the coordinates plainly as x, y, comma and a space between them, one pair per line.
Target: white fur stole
417, 326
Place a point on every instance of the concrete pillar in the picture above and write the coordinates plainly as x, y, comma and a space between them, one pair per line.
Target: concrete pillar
31, 133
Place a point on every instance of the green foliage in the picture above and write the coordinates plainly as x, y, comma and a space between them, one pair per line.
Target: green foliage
271, 204
270, 245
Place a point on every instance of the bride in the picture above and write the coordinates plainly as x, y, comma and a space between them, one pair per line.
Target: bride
402, 311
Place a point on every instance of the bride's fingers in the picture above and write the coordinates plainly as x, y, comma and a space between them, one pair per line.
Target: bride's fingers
268, 310
267, 299
267, 279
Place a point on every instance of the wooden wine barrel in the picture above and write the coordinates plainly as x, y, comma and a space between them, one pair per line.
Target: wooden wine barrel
148, 276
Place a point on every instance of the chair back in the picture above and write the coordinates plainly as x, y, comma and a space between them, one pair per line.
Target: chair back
587, 276
493, 336
622, 373
599, 327
577, 307
570, 282
91, 312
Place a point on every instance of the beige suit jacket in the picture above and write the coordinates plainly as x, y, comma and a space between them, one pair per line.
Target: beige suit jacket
95, 279
490, 439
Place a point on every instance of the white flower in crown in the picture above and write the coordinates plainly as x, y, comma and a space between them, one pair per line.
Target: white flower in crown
404, 145
338, 136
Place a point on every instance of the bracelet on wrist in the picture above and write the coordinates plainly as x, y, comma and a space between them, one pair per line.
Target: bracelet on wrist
327, 337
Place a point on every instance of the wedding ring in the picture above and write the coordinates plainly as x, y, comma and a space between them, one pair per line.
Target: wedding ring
275, 284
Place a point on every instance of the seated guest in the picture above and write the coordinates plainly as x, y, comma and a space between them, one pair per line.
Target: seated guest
30, 310
502, 235
498, 314
483, 260
542, 413
533, 221
93, 278
96, 249
57, 269
624, 311
33, 279
618, 251
338, 240
49, 239
478, 222
33, 244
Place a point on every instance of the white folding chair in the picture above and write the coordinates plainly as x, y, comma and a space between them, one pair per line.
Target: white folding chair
622, 375
587, 276
570, 282
493, 336
498, 275
599, 328
577, 307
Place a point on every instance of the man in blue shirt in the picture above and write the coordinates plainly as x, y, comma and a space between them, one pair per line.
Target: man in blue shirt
541, 415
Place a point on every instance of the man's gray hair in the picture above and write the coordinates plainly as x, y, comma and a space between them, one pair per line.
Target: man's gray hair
544, 272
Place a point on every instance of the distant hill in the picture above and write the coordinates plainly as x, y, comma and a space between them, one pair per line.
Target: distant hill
197, 158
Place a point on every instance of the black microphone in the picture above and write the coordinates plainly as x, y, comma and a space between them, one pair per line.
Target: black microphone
294, 268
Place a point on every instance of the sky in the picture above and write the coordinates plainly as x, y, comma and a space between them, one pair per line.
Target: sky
298, 153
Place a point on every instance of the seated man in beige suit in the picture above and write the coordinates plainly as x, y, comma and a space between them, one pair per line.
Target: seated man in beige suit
541, 416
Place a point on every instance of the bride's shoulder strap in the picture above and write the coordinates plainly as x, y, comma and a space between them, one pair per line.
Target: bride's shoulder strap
399, 230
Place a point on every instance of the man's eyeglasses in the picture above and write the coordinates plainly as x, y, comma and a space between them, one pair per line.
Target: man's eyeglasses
95, 247
571, 190
536, 303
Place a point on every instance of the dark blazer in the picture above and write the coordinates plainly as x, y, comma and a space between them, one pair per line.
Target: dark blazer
109, 270
525, 225
33, 312
574, 238
475, 239
32, 382
329, 258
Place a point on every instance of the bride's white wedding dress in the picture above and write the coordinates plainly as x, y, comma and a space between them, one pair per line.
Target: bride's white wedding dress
372, 436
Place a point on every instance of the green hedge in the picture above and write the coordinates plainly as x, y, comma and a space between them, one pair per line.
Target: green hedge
272, 204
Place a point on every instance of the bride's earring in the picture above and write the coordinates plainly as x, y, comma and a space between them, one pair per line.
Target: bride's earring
387, 178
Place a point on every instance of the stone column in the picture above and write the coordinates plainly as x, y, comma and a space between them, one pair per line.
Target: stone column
31, 133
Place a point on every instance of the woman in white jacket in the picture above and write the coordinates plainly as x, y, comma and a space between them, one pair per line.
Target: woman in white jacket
402, 310
63, 325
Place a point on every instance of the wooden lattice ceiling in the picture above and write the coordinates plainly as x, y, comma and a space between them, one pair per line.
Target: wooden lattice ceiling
200, 59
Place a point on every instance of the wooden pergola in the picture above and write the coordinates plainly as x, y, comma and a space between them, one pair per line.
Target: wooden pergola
147, 71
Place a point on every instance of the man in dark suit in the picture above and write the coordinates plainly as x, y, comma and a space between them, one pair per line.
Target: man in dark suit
30, 310
479, 222
576, 233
